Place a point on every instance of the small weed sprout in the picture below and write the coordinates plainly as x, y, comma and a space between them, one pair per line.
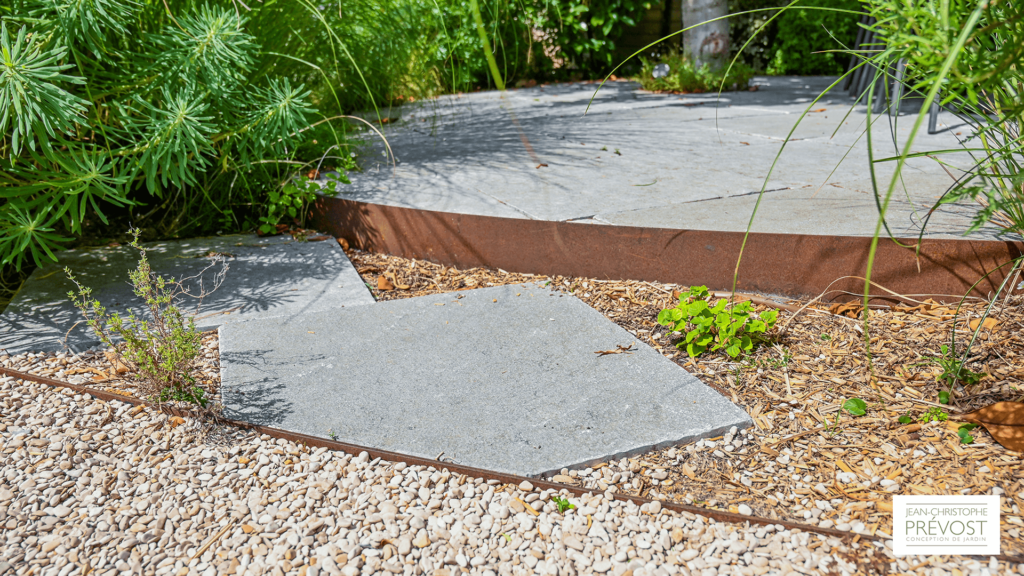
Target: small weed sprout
832, 429
953, 370
933, 415
563, 504
964, 432
160, 353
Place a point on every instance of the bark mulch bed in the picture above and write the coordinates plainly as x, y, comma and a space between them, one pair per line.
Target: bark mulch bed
805, 459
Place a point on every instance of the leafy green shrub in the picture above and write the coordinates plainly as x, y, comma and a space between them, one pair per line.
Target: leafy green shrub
584, 33
788, 44
292, 201
684, 77
732, 327
162, 352
110, 107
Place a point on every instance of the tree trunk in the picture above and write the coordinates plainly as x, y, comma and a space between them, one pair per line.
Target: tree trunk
707, 43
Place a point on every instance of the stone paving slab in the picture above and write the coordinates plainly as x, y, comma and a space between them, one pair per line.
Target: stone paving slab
503, 378
636, 157
271, 276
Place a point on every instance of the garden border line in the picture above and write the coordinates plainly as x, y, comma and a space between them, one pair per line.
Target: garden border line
795, 265
307, 440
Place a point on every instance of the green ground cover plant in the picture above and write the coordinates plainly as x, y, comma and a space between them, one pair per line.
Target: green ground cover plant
734, 327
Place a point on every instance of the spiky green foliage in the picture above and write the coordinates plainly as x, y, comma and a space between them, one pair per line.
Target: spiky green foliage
180, 118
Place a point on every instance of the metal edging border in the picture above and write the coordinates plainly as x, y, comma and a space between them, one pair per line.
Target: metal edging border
374, 453
794, 265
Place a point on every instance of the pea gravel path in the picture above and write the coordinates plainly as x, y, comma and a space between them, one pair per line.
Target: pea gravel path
104, 487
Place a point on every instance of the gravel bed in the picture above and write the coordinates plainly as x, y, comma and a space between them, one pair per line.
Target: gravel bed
97, 487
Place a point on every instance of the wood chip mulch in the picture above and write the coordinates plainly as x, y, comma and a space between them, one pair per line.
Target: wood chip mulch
805, 459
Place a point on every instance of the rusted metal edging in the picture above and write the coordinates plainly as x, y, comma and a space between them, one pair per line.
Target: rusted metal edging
513, 479
795, 265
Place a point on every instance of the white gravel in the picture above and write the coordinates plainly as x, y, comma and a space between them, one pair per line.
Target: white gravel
106, 487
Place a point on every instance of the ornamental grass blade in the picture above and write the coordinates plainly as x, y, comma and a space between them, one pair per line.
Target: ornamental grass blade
1004, 421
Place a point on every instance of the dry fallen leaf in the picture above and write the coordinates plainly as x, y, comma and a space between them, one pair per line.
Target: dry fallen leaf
1004, 421
990, 323
384, 284
848, 309
118, 365
177, 421
343, 243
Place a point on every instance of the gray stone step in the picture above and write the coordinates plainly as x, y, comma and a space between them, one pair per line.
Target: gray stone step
274, 276
502, 378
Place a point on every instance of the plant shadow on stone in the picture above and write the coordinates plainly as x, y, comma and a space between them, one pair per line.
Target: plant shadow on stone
161, 353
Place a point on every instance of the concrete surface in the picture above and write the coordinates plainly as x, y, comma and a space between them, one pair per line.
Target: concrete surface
503, 378
273, 276
662, 160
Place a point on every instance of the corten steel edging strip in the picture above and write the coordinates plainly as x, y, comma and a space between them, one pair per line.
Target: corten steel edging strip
796, 265
374, 453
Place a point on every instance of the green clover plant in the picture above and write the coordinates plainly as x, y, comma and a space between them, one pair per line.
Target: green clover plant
732, 327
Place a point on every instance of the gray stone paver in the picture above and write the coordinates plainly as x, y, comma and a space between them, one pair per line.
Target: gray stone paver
271, 276
687, 161
503, 378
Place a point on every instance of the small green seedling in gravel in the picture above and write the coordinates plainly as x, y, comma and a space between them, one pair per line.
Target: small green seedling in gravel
933, 415
331, 434
855, 406
563, 504
906, 418
964, 432
943, 397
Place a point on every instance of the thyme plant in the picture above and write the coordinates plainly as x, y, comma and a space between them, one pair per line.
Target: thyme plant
161, 353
